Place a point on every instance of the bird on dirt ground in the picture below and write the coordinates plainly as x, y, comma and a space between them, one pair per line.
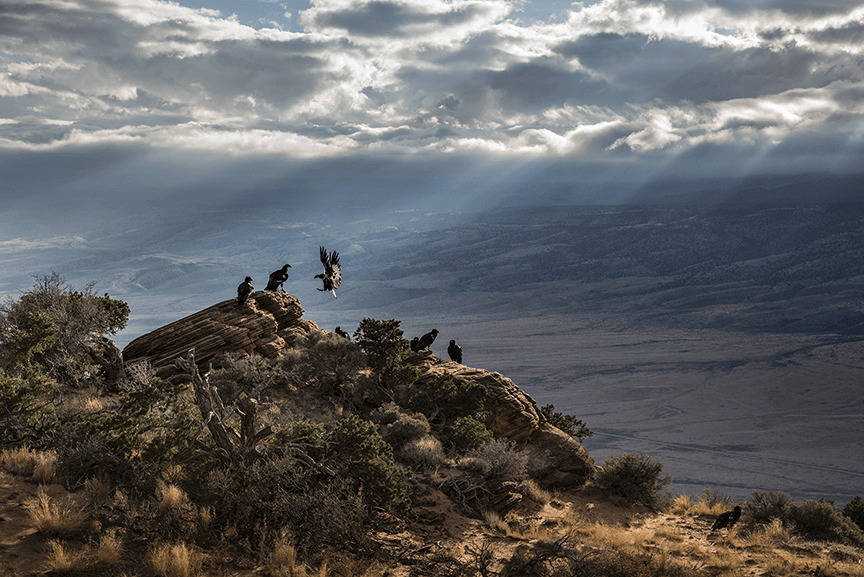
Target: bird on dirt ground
277, 278
244, 290
727, 519
427, 340
455, 352
341, 333
332, 275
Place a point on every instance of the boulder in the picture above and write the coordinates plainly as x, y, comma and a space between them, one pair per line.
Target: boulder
556, 459
265, 324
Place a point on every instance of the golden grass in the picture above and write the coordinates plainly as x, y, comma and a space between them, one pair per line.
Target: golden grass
59, 558
177, 560
55, 519
170, 496
109, 551
531, 490
518, 529
38, 465
283, 563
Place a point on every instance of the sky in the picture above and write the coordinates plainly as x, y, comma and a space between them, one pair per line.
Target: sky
143, 103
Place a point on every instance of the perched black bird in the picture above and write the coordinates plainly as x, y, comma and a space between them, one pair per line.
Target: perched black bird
455, 352
342, 333
415, 342
727, 519
427, 340
332, 275
244, 290
277, 277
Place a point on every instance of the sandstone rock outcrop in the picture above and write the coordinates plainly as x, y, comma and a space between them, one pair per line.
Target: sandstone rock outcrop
265, 324
556, 459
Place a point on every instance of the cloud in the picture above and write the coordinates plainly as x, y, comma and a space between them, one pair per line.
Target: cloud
427, 20
614, 81
19, 244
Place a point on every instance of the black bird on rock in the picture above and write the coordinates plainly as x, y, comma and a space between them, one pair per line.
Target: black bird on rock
332, 275
277, 278
342, 333
727, 519
426, 340
244, 290
455, 352
415, 342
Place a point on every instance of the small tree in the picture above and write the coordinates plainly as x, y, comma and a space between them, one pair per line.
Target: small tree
22, 382
81, 320
567, 423
385, 352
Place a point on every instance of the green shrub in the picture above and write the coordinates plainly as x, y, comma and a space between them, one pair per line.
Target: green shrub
363, 456
633, 479
821, 520
455, 409
299, 431
468, 433
498, 460
405, 429
854, 509
567, 423
762, 507
153, 425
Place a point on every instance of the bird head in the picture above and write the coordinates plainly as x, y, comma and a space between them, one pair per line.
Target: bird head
452, 342
248, 279
435, 332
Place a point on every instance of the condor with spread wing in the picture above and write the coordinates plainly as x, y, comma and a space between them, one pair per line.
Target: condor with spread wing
332, 275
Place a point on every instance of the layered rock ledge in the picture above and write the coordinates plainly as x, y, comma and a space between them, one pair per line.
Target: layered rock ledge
556, 459
265, 324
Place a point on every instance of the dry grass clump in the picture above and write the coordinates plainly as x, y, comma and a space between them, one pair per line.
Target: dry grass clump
108, 553
55, 519
170, 496
283, 563
38, 465
425, 452
530, 490
177, 560
708, 503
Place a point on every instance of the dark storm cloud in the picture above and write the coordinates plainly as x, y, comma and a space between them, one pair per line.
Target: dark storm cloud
637, 65
759, 72
849, 34
535, 86
393, 19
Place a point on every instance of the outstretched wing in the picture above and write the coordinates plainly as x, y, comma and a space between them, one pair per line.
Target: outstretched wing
334, 270
323, 255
